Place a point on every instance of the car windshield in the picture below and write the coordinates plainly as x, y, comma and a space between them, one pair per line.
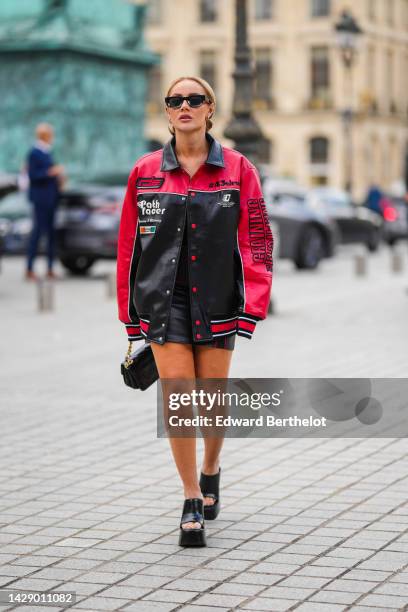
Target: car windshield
331, 199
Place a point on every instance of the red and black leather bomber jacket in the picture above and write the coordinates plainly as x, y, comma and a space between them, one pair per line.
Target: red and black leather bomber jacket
229, 245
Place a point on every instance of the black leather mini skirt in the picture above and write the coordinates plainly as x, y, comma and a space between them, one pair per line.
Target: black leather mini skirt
179, 328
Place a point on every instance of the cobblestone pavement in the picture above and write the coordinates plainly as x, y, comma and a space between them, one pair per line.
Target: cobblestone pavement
89, 497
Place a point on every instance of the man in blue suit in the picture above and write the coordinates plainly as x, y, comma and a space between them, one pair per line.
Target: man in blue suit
46, 180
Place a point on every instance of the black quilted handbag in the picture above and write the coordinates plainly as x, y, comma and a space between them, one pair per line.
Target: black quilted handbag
139, 369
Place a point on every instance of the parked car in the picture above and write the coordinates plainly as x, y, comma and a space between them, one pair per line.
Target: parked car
394, 215
16, 223
87, 225
356, 223
305, 235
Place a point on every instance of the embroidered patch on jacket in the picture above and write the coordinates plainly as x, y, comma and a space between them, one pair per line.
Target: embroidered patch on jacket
260, 234
226, 201
149, 182
147, 229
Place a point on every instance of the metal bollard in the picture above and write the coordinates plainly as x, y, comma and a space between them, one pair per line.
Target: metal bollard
46, 295
111, 284
360, 264
397, 263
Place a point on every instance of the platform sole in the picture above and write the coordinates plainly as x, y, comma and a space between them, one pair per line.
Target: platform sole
192, 537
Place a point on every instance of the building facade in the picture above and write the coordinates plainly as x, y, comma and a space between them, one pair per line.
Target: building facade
301, 86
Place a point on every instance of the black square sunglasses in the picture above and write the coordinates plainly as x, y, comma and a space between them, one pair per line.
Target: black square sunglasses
193, 100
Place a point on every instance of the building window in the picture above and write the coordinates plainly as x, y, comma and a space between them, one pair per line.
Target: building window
320, 8
263, 9
320, 74
155, 99
208, 67
319, 160
208, 11
319, 150
372, 9
263, 78
154, 12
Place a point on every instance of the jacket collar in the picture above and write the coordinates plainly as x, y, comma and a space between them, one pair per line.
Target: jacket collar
169, 158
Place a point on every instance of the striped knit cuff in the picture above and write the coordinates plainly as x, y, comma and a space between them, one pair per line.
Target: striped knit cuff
133, 331
246, 324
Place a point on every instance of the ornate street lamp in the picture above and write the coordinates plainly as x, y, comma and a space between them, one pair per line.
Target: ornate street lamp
347, 34
242, 128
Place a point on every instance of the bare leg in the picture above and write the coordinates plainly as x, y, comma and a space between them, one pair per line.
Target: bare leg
211, 363
176, 361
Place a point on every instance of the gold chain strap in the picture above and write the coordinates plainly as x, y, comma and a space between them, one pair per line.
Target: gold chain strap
128, 361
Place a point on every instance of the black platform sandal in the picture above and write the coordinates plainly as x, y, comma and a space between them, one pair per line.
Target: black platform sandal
210, 487
192, 513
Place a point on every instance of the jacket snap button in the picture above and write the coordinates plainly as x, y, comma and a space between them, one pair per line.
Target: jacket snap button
173, 261
194, 289
163, 325
167, 291
198, 322
193, 258
179, 229
193, 225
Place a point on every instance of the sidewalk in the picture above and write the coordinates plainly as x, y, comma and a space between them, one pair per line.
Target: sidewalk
89, 497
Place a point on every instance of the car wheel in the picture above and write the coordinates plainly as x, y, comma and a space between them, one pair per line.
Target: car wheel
373, 241
78, 265
310, 249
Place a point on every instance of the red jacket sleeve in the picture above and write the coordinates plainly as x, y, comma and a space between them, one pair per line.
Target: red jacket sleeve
255, 243
128, 256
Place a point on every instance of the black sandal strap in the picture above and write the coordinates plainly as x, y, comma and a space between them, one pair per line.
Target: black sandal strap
210, 484
193, 511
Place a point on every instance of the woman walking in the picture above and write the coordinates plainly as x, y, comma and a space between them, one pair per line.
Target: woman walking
194, 269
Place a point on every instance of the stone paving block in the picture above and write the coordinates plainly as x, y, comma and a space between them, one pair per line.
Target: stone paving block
393, 588
77, 564
151, 606
274, 568
55, 573
369, 575
334, 597
101, 577
354, 586
171, 596
187, 584
82, 588
257, 578
235, 588
386, 561
269, 604
384, 601
220, 601
307, 582
125, 592
400, 577
282, 592
314, 606
101, 603
39, 584
163, 570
